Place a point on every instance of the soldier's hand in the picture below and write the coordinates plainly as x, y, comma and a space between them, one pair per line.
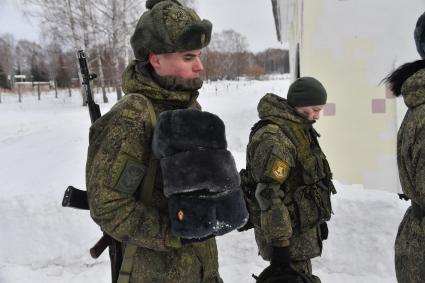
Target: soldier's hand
276, 274
324, 231
280, 257
246, 227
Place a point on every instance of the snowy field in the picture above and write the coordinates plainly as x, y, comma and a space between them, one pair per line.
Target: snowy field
43, 149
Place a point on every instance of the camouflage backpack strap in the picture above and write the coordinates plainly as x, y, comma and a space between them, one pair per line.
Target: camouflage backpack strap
145, 194
148, 183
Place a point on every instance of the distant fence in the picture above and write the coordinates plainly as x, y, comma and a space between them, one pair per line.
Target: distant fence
32, 88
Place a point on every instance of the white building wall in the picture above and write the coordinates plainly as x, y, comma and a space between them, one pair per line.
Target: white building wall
350, 46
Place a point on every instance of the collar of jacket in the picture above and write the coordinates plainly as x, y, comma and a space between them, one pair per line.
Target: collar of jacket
276, 108
139, 79
413, 89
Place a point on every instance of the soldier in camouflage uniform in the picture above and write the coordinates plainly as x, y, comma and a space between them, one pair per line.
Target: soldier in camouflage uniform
167, 44
289, 180
409, 81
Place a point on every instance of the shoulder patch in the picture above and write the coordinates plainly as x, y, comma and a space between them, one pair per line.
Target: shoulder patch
130, 178
279, 170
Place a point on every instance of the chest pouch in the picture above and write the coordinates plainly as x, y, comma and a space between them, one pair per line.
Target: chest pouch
311, 200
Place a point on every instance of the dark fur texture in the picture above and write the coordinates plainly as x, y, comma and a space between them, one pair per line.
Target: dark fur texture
396, 79
199, 174
419, 35
191, 37
187, 129
206, 214
211, 170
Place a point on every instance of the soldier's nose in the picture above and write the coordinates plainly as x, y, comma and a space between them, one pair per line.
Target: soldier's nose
198, 67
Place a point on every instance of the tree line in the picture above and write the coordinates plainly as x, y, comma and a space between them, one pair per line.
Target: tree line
103, 29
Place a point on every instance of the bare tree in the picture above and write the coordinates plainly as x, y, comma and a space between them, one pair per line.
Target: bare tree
7, 55
97, 48
117, 19
233, 46
63, 21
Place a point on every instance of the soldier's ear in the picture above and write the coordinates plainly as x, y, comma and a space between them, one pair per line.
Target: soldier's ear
154, 61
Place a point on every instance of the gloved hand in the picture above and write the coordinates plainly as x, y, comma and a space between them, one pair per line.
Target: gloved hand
324, 231
280, 269
246, 227
280, 257
195, 240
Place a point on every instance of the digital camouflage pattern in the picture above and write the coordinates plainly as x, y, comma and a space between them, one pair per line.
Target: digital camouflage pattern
120, 144
168, 27
410, 241
298, 199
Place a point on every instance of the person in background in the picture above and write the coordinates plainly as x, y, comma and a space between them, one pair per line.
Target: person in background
290, 182
408, 81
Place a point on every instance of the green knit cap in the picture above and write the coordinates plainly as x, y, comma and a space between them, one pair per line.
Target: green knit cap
306, 91
169, 27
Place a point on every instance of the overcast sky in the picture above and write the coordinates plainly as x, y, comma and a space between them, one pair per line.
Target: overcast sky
12, 21
252, 18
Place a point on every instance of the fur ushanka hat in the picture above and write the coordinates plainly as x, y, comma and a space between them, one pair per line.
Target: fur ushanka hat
169, 27
200, 177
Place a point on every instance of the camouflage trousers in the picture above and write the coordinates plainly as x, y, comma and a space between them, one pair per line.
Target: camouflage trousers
192, 263
301, 266
410, 249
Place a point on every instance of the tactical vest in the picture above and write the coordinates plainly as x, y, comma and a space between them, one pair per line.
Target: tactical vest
309, 184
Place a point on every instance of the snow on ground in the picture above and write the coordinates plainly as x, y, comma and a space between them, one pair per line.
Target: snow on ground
43, 149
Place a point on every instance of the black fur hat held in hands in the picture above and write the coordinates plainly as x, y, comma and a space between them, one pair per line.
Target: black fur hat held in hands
419, 35
200, 177
186, 130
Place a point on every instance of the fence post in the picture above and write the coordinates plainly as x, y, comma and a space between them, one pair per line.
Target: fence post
56, 89
69, 91
19, 94
0, 97
38, 91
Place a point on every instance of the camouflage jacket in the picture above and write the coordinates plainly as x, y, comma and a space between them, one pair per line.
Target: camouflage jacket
410, 242
284, 154
121, 139
411, 139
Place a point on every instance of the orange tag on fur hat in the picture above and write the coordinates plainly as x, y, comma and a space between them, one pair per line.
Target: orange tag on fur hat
180, 215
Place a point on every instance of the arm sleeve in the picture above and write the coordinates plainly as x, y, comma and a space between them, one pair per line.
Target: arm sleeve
272, 160
418, 157
118, 213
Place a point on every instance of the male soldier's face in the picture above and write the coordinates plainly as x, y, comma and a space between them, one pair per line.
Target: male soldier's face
186, 65
311, 113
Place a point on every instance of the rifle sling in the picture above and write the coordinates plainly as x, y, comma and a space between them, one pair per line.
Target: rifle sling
146, 197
